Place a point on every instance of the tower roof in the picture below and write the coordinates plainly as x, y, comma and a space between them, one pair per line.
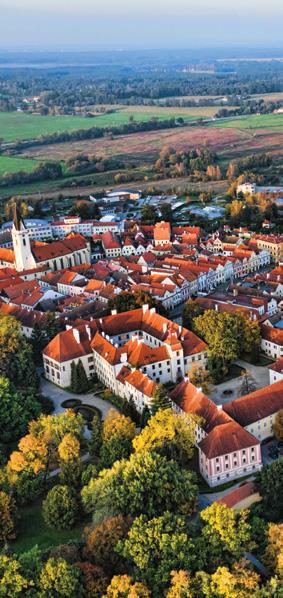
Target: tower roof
17, 218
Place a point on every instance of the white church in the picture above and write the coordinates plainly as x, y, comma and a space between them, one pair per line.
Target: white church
28, 255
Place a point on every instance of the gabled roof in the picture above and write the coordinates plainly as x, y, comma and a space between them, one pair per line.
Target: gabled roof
141, 382
65, 346
192, 400
273, 335
105, 349
227, 438
257, 405
140, 354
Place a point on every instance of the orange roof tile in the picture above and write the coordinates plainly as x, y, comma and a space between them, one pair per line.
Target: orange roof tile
256, 405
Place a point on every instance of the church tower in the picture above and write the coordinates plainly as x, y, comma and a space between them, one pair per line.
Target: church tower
21, 244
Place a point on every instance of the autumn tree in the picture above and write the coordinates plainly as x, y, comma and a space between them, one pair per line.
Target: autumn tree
69, 461
169, 433
240, 582
278, 425
38, 450
200, 377
7, 518
226, 533
123, 586
58, 578
60, 508
101, 541
274, 549
180, 586
13, 581
94, 579
118, 432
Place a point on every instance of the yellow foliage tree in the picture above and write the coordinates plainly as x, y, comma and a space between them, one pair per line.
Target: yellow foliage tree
242, 582
69, 448
168, 428
116, 424
123, 586
274, 550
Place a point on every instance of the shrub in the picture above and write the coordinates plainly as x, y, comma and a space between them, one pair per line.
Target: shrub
60, 508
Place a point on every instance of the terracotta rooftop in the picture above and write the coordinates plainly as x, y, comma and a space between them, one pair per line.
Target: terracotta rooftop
226, 438
192, 400
256, 405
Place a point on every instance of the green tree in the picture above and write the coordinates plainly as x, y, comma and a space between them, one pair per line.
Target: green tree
223, 332
60, 508
16, 410
160, 399
150, 484
58, 578
12, 578
16, 359
116, 448
148, 214
79, 380
7, 518
156, 547
95, 441
166, 212
269, 482
191, 310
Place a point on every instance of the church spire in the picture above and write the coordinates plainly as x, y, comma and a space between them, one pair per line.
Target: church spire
17, 218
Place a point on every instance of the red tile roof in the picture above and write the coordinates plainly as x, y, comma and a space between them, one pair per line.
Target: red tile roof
141, 382
257, 405
273, 335
192, 400
64, 346
235, 496
226, 438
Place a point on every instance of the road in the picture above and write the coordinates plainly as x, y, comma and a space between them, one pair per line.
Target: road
58, 395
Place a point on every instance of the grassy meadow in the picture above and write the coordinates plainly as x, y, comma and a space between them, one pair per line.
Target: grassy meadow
20, 126
15, 164
273, 122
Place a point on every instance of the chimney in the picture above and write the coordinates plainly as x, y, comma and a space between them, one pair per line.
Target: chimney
88, 331
235, 292
114, 312
145, 308
124, 358
219, 407
76, 334
164, 327
216, 307
152, 311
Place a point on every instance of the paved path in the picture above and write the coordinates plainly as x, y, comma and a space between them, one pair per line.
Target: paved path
260, 375
58, 395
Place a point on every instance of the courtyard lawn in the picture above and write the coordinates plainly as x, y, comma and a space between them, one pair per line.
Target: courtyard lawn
32, 530
253, 121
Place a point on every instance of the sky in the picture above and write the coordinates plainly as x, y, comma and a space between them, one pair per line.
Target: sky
123, 24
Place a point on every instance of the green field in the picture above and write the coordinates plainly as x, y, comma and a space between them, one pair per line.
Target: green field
263, 121
18, 125
15, 164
